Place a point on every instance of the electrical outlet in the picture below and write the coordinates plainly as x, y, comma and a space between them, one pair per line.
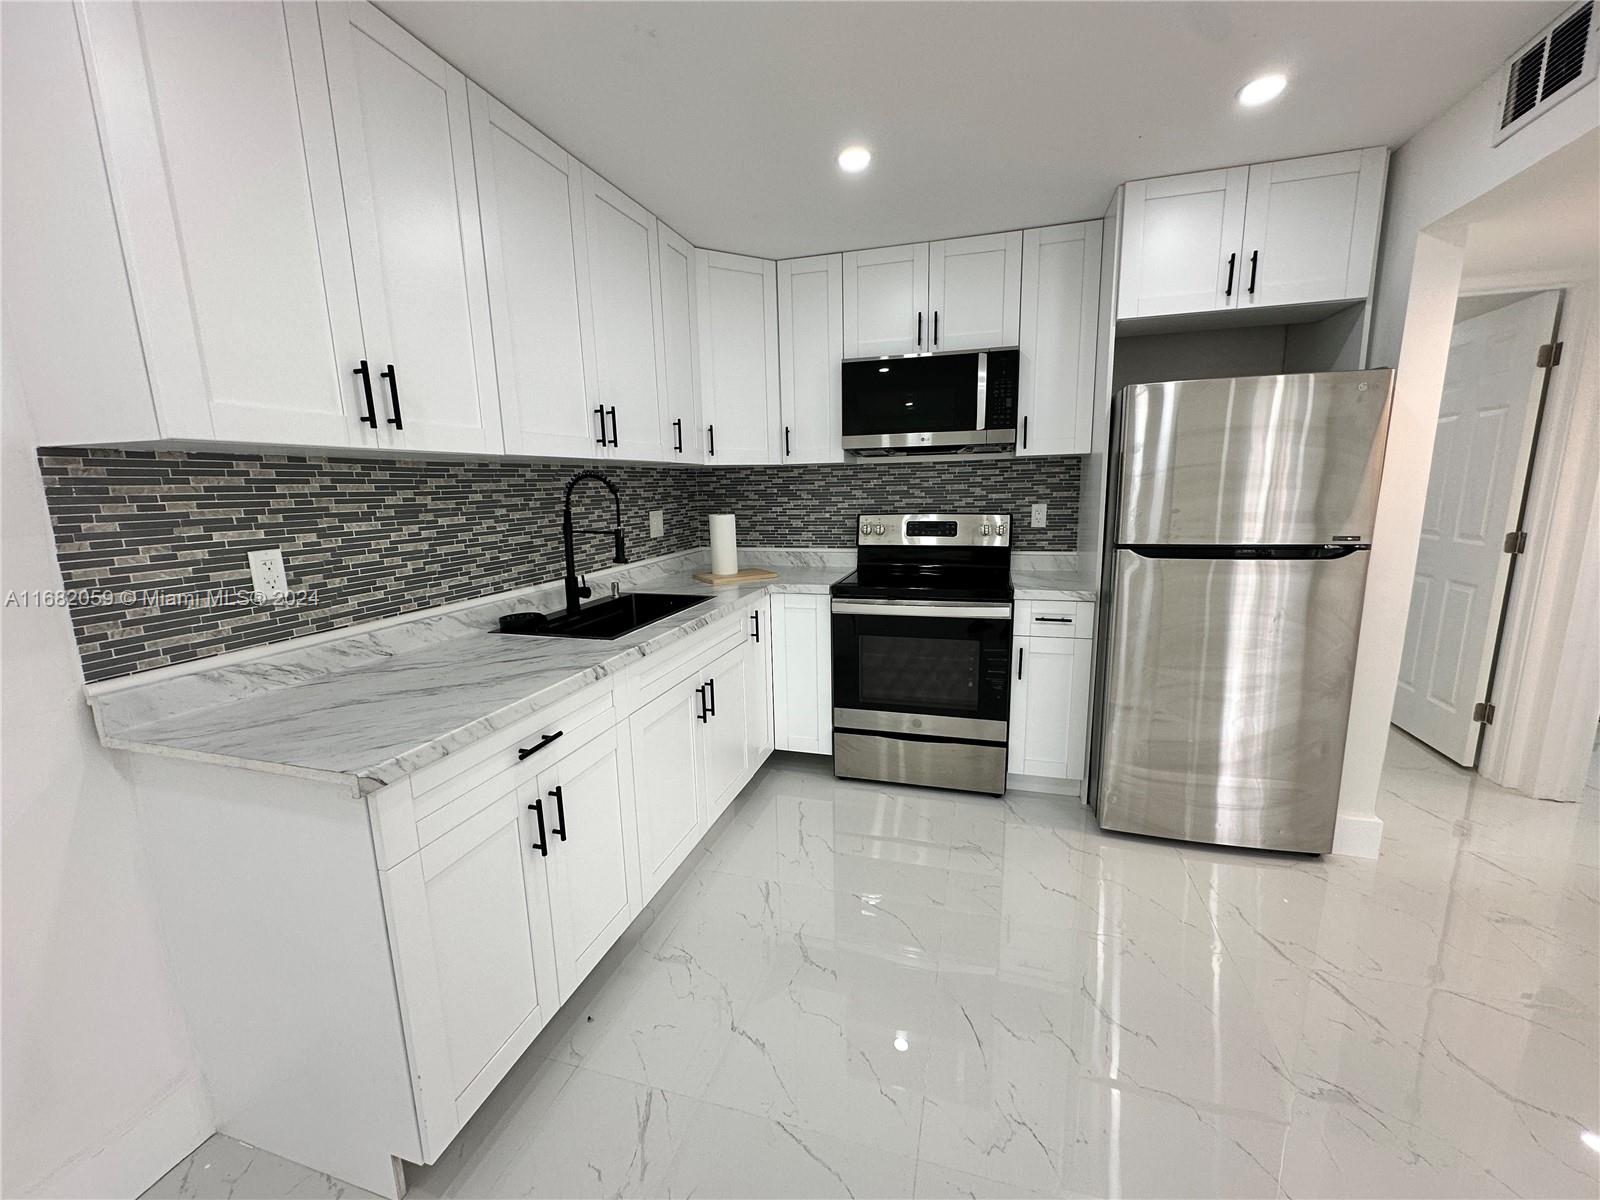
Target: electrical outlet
267, 576
658, 524
1038, 516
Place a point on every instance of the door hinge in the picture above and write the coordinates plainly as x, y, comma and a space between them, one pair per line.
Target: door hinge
1483, 711
1549, 354
1516, 542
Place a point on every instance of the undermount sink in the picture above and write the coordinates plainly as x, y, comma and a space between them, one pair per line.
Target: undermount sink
604, 619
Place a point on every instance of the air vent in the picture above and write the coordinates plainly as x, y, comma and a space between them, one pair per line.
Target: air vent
1548, 69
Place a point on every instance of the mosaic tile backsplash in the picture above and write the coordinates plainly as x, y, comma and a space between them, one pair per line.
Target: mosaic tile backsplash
154, 544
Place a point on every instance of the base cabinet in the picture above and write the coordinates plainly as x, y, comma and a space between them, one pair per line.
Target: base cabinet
666, 782
802, 674
725, 750
1052, 668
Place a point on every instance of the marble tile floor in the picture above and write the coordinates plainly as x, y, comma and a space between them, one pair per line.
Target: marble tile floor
856, 990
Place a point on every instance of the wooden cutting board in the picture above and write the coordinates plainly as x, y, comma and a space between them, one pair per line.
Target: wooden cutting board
748, 575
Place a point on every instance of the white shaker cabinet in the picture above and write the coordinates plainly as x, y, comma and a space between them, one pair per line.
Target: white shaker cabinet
219, 147
886, 300
411, 202
1180, 243
810, 348
758, 713
737, 309
1049, 706
666, 782
974, 291
802, 673
726, 751
1060, 328
537, 263
683, 435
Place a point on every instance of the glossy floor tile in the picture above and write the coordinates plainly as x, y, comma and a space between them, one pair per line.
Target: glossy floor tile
854, 990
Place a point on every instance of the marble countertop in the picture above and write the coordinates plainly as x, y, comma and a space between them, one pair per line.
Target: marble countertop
1052, 585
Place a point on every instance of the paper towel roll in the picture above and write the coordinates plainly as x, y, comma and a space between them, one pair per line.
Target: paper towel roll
724, 545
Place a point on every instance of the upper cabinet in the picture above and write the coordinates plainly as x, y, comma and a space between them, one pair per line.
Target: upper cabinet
810, 346
683, 434
962, 294
1300, 231
737, 302
531, 202
411, 203
1060, 331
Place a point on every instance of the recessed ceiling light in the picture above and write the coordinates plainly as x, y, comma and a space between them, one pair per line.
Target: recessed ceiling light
854, 159
1259, 91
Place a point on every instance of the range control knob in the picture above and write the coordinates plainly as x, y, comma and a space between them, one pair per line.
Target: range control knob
1000, 529
877, 529
984, 529
866, 528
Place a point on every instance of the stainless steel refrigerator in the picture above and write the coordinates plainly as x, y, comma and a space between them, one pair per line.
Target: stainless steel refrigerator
1238, 531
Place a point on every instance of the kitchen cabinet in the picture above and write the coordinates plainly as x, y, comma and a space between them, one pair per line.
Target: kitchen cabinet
1060, 327
1053, 655
1292, 232
758, 713
961, 294
885, 300
404, 136
802, 673
737, 310
726, 752
537, 266
683, 433
666, 781
625, 337
810, 348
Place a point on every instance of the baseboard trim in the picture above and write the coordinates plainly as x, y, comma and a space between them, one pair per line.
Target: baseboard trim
1358, 835
1043, 785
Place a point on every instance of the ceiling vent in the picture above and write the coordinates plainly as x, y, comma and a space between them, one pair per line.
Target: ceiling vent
1548, 69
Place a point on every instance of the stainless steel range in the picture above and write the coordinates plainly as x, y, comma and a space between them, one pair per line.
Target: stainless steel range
922, 651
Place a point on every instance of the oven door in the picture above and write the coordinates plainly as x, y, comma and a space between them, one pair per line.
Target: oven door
927, 669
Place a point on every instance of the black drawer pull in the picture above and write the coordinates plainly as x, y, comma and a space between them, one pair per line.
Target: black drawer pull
702, 714
1055, 620
711, 440
601, 413
677, 437
1024, 431
1232, 259
786, 450
561, 814
1254, 254
613, 411
394, 394
366, 386
1019, 662
756, 617
543, 844
936, 327
530, 751
711, 697
919, 329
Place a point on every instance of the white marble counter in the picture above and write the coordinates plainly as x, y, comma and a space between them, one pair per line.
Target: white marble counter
1052, 585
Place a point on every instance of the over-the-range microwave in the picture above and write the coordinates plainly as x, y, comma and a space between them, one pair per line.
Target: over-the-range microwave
959, 402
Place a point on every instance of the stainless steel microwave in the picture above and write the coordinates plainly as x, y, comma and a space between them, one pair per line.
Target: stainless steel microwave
961, 402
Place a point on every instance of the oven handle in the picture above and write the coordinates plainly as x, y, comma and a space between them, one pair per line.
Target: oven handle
919, 608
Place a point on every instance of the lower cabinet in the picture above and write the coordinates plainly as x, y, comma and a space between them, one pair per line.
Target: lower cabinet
725, 750
666, 781
802, 674
758, 713
1050, 706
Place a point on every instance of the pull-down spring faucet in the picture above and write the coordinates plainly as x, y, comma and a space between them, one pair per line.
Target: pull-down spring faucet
577, 590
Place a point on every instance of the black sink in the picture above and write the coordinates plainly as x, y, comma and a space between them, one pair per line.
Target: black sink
604, 619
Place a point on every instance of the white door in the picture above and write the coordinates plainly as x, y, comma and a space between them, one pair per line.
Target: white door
724, 737
810, 348
974, 291
405, 157
587, 804
244, 284
1480, 466
886, 301
1180, 243
758, 683
661, 736
738, 314
680, 386
1060, 332
624, 336
535, 254
802, 674
1311, 228
1049, 706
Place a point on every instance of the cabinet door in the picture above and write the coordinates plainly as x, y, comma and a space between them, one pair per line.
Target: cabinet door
738, 314
886, 301
1060, 330
535, 255
810, 347
226, 175
1311, 228
758, 712
802, 674
661, 737
1049, 706
622, 318
684, 432
724, 738
1180, 243
411, 199
592, 864
974, 291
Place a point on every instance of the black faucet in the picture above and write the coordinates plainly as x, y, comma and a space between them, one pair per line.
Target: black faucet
578, 591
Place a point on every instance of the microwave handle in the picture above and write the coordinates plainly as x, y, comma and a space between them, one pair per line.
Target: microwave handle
983, 389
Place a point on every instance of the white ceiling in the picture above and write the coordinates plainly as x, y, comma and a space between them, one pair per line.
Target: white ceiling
724, 118
1539, 227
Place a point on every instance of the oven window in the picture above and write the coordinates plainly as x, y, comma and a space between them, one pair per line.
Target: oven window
920, 672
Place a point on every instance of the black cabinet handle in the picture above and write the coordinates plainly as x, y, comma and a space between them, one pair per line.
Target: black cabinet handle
394, 394
613, 411
1232, 260
366, 386
1024, 431
919, 329
561, 814
530, 751
543, 844
601, 413
786, 450
1055, 620
711, 440
756, 617
711, 697
1254, 254
702, 714
1019, 662
677, 436
936, 327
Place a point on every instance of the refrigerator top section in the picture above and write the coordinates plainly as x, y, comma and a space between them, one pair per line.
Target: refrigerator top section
1263, 460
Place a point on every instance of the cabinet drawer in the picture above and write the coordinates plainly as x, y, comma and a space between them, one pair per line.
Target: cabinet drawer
654, 679
1055, 618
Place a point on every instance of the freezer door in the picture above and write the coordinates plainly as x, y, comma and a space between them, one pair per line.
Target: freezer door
1264, 460
1226, 699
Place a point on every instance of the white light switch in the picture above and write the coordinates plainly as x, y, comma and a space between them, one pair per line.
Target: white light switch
267, 577
658, 525
1038, 516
